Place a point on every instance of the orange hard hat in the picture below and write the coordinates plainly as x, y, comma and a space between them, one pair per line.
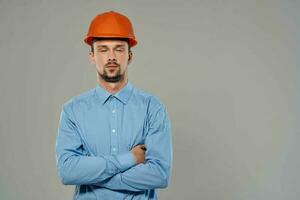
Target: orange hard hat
111, 25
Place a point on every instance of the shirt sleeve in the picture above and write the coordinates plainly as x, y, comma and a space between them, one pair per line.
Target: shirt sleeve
155, 172
75, 166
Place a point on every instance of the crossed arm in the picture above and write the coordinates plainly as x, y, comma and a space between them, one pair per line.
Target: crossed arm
135, 170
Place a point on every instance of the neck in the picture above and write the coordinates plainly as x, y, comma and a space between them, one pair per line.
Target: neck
112, 87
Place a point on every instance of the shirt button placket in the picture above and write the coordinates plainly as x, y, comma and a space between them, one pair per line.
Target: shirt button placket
114, 139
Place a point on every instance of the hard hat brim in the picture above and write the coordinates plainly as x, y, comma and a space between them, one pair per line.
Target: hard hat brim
89, 39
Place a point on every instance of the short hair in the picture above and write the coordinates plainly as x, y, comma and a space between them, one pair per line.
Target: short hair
109, 38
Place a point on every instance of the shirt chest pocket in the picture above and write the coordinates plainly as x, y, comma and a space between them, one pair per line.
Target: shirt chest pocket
97, 139
133, 134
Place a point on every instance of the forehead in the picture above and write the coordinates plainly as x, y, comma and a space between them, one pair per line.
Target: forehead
110, 43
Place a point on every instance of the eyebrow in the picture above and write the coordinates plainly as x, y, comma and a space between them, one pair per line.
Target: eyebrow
105, 46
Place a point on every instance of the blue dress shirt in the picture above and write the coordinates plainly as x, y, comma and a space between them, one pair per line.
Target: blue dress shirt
96, 132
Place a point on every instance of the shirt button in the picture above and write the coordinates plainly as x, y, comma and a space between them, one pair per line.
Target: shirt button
113, 111
114, 149
114, 130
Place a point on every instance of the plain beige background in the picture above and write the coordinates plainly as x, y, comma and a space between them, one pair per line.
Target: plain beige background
228, 72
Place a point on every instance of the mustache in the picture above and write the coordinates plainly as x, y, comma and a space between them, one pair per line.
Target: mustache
112, 63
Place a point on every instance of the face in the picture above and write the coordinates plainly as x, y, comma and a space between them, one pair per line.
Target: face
111, 58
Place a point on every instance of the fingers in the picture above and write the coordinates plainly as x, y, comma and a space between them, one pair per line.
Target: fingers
143, 147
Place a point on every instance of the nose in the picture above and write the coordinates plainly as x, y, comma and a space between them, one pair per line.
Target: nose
111, 56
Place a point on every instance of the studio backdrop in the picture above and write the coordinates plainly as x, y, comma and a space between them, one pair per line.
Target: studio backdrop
227, 71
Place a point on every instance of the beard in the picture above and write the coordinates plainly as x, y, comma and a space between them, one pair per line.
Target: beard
112, 78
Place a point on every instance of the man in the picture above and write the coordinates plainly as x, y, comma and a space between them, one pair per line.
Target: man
113, 141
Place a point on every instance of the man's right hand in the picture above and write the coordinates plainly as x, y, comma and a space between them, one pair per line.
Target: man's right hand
139, 153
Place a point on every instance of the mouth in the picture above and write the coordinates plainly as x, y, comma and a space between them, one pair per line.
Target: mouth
112, 65
112, 68
109, 66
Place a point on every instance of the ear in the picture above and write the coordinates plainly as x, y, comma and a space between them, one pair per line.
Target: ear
91, 58
130, 55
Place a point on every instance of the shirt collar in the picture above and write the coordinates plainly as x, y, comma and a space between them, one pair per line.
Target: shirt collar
123, 95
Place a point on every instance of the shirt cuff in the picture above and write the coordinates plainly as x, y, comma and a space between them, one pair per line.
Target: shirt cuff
126, 160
